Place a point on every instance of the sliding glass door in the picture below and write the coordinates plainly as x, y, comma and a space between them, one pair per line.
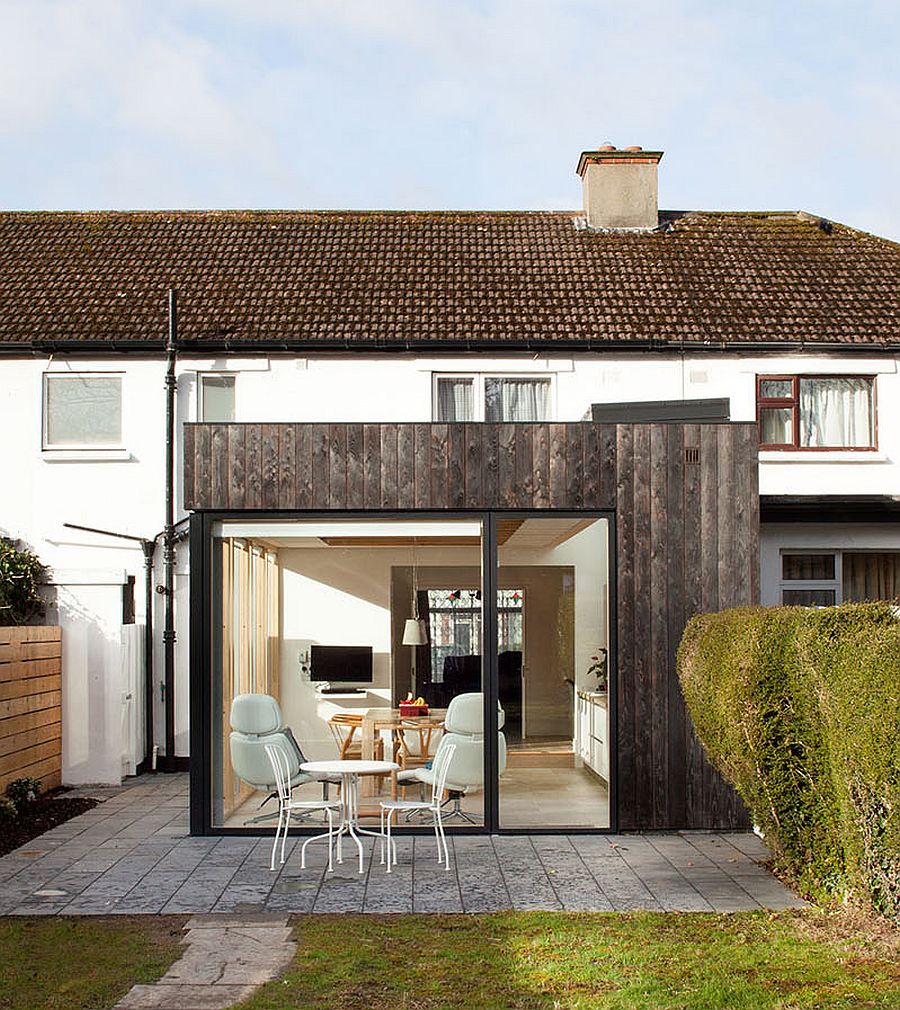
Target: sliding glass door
553, 648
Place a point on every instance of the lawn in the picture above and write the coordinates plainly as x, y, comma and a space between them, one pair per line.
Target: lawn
526, 961
82, 964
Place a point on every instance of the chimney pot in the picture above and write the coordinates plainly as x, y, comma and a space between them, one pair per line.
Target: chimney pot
620, 187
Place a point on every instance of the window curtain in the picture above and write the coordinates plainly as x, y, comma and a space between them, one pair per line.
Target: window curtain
873, 575
456, 400
516, 399
835, 412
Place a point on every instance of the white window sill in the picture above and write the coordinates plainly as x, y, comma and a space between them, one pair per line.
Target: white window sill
825, 456
86, 455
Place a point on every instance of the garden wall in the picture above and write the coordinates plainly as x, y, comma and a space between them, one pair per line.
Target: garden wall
30, 705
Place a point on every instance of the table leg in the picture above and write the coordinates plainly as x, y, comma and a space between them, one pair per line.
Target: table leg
367, 788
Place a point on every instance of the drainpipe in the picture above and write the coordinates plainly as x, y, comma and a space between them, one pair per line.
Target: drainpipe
169, 536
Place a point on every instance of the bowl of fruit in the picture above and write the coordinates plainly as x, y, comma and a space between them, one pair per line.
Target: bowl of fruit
413, 706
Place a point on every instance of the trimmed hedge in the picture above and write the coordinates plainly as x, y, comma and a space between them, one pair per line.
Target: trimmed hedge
799, 708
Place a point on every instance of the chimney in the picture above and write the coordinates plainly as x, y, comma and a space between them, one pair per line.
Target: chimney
619, 187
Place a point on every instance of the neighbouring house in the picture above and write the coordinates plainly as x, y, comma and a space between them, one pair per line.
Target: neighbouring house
437, 453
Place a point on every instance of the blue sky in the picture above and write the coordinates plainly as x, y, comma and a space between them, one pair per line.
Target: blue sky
438, 104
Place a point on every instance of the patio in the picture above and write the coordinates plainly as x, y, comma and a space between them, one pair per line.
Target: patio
132, 854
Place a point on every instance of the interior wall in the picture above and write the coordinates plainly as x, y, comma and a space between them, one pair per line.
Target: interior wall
336, 596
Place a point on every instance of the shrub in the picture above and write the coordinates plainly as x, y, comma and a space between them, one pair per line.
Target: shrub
23, 791
800, 709
21, 574
8, 811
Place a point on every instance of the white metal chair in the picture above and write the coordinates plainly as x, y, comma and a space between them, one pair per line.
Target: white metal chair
464, 727
440, 767
286, 804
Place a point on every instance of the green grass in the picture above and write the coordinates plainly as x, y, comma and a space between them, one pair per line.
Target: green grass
526, 961
82, 964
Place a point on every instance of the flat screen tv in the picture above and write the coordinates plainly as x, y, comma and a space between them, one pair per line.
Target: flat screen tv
341, 664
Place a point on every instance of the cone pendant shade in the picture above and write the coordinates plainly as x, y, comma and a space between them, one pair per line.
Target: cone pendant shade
414, 632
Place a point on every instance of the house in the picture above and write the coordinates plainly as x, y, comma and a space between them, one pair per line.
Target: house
546, 438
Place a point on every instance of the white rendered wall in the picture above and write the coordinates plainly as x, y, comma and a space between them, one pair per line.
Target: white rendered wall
126, 493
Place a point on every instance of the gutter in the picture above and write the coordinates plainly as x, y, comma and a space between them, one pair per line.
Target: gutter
253, 348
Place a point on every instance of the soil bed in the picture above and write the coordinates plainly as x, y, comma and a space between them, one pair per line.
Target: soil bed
41, 815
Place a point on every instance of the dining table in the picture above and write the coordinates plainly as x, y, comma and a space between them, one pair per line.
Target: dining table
350, 771
376, 720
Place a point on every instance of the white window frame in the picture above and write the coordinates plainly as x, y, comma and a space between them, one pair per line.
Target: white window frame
213, 375
834, 584
478, 388
88, 447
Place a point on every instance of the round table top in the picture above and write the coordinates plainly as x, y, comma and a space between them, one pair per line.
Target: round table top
349, 767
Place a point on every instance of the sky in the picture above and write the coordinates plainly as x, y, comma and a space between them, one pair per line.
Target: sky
448, 104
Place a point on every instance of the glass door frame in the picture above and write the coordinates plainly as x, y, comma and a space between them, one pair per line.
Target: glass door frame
491, 675
202, 651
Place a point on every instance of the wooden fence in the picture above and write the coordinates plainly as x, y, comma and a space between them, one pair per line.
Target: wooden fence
30, 705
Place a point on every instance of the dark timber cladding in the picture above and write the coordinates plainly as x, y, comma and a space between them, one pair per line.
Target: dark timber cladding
687, 528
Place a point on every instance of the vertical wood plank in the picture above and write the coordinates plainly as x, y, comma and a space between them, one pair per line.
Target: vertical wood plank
474, 466
491, 470
203, 465
371, 466
321, 466
642, 624
625, 551
269, 458
746, 456
440, 466
676, 575
422, 463
189, 493
456, 470
506, 466
355, 480
607, 439
659, 625
709, 519
523, 488
406, 492
693, 601
591, 484
237, 483
557, 466
389, 496
287, 465
727, 511
540, 448
574, 465
253, 453
303, 480
219, 453
337, 466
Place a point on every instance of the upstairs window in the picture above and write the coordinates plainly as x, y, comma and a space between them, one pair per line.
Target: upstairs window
492, 398
216, 398
82, 410
815, 412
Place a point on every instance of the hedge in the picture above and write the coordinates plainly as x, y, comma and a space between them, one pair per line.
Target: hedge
799, 708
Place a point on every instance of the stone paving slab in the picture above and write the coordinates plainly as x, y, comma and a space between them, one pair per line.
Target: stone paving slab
133, 854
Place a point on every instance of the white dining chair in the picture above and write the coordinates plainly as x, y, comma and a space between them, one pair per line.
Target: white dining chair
286, 804
440, 767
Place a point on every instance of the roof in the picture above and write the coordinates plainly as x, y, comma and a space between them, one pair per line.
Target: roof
452, 280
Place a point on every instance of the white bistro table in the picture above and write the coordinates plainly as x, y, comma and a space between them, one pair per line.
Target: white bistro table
350, 771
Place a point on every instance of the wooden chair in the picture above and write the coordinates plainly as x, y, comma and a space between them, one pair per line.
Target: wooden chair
413, 743
344, 727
